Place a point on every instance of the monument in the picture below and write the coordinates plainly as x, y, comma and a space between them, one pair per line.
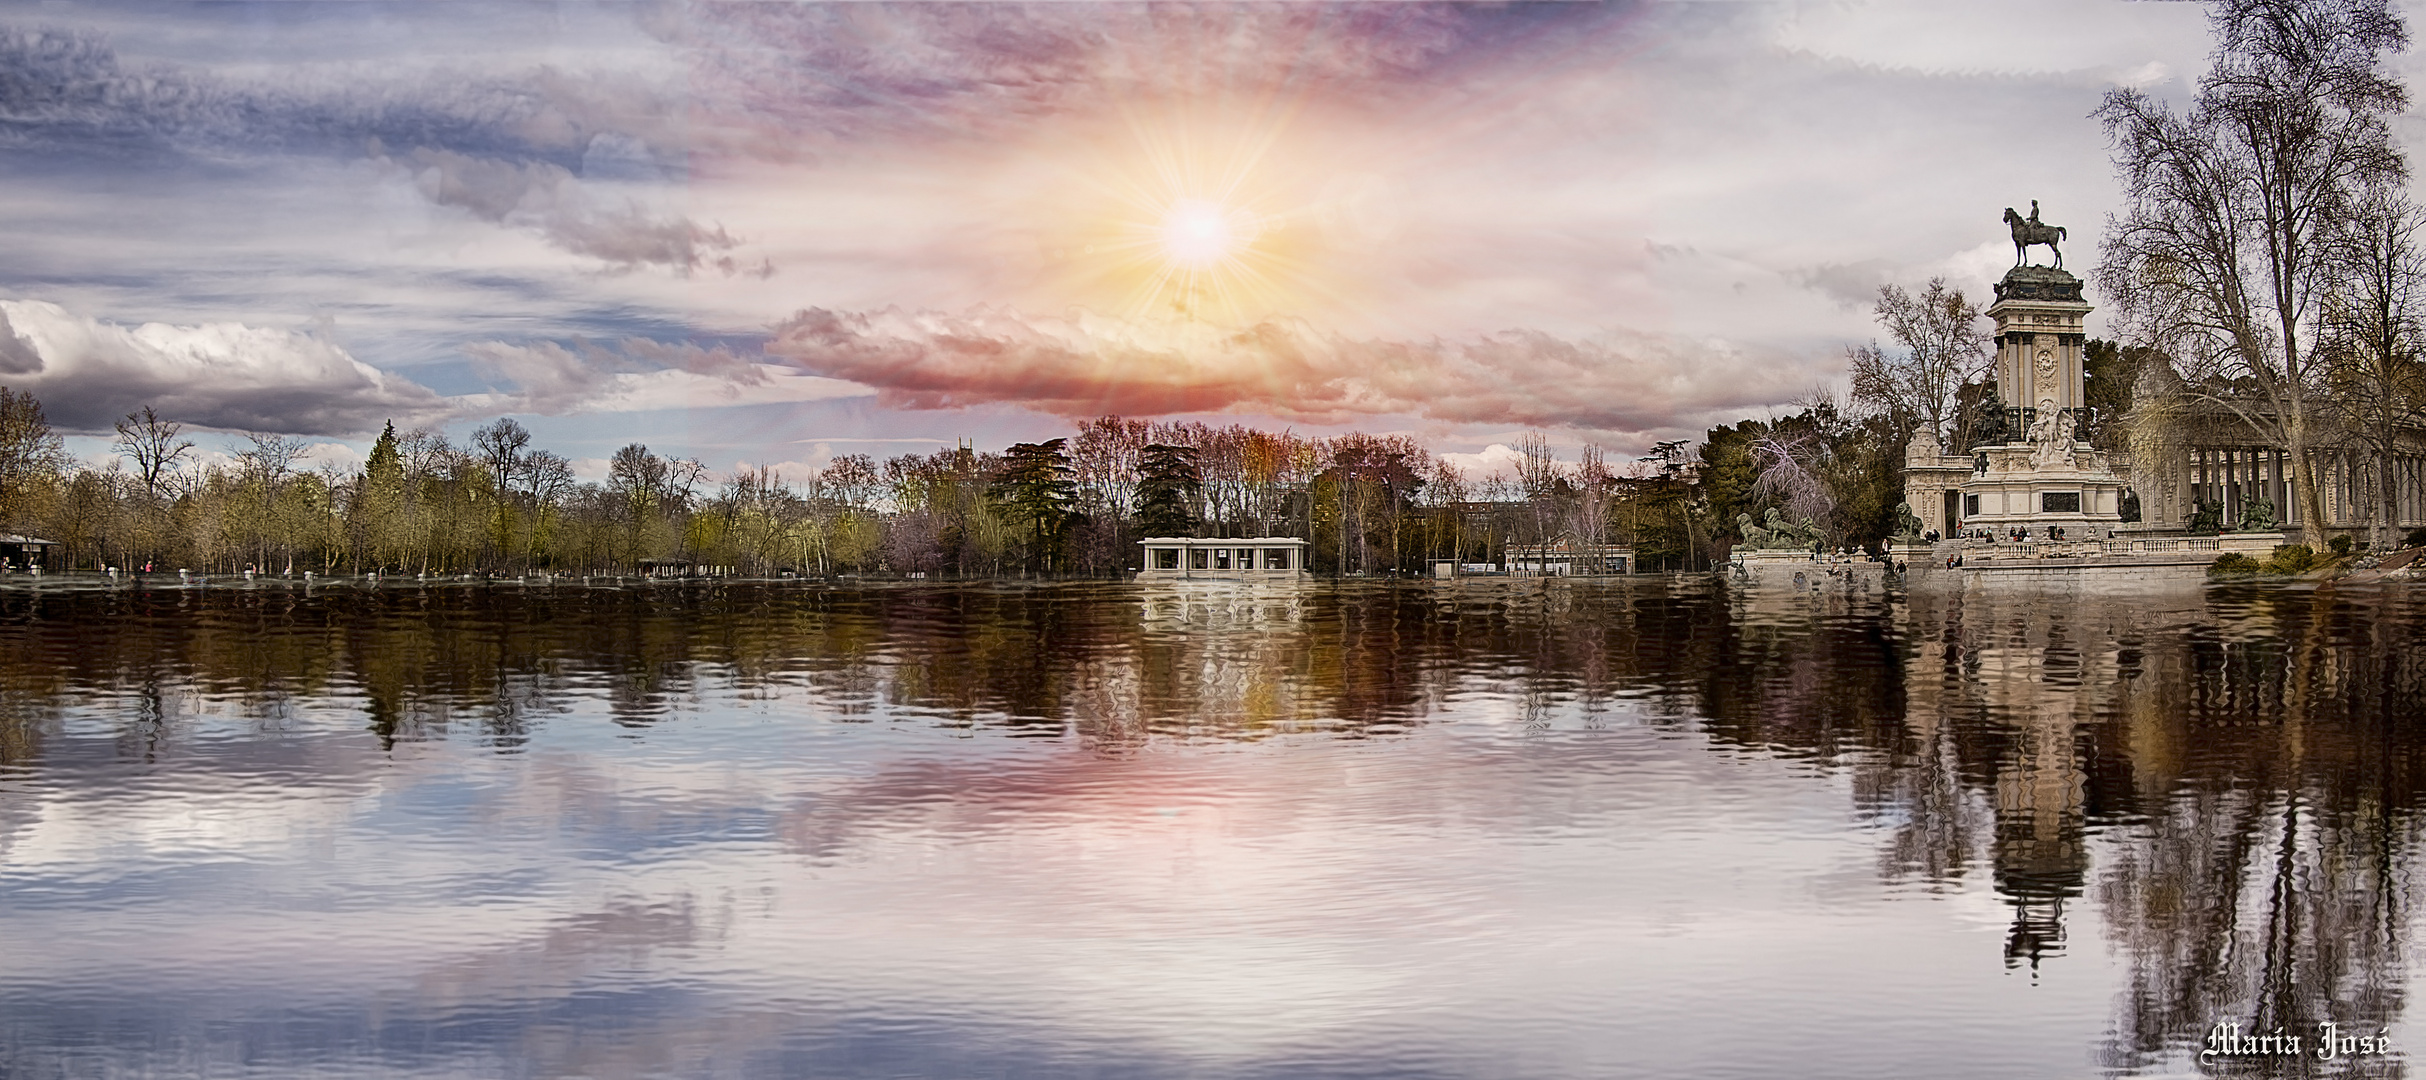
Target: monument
2029, 467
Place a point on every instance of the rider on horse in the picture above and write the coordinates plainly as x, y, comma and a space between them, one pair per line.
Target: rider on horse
2030, 230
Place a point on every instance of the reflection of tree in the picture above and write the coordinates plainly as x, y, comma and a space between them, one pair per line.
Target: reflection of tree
2270, 881
2227, 779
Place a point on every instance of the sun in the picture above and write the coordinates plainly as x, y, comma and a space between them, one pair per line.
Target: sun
1175, 215
1199, 235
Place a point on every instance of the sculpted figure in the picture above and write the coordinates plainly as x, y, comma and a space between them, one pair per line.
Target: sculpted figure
1754, 536
1907, 525
2029, 231
1790, 534
2046, 426
1988, 423
2258, 516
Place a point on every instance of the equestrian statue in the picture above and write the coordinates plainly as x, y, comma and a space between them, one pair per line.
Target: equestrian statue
2028, 231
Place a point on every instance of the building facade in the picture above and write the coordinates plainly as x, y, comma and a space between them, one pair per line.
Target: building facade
1243, 558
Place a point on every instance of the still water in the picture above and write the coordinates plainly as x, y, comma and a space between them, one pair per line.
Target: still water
1655, 827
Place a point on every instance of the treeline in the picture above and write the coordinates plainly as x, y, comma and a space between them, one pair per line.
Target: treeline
1075, 505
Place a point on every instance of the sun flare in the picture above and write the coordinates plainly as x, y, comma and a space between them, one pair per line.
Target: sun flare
1198, 234
1203, 220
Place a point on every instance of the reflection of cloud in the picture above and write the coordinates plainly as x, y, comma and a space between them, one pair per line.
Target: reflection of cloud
88, 373
1086, 366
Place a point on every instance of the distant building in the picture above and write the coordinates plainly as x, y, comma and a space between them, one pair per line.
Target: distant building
25, 551
1260, 558
1565, 555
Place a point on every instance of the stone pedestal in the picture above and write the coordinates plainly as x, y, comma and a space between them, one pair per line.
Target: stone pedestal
2040, 332
2061, 483
2041, 477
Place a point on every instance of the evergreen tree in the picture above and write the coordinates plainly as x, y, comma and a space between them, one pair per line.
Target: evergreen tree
1034, 492
379, 504
1167, 490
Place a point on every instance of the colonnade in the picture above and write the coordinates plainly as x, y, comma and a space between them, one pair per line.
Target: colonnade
2235, 476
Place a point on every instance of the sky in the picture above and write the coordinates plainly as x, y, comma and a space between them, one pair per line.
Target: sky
768, 234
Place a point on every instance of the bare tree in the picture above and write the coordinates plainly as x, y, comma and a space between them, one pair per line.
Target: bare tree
1938, 332
501, 446
852, 480
1791, 467
2374, 337
547, 477
30, 452
152, 444
2224, 251
271, 457
1538, 471
682, 479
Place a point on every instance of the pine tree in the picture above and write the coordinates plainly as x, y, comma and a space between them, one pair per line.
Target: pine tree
1167, 491
1034, 492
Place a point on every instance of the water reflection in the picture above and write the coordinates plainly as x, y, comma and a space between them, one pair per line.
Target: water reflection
1122, 825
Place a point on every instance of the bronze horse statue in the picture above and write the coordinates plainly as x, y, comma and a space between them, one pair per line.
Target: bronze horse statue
2028, 231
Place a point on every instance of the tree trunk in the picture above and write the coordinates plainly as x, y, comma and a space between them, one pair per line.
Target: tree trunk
2306, 489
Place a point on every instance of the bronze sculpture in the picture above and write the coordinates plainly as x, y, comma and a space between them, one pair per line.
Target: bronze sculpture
2029, 231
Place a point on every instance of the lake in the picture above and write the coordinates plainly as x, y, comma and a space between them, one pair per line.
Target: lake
1655, 827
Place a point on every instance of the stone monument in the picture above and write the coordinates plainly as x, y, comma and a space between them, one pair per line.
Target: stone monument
2034, 472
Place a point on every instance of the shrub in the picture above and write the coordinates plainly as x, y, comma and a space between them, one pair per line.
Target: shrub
2290, 559
2341, 544
2233, 565
2416, 538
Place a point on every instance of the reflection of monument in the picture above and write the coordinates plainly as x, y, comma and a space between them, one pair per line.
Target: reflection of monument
2033, 471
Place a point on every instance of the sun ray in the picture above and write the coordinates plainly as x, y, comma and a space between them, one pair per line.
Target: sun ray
1200, 214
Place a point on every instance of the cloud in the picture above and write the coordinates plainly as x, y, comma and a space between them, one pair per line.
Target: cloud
1497, 459
545, 198
502, 148
1087, 365
639, 375
841, 73
88, 373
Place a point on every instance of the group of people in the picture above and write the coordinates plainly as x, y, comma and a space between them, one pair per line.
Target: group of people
2018, 534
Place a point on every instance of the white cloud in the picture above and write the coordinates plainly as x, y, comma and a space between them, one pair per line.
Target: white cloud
231, 376
1497, 459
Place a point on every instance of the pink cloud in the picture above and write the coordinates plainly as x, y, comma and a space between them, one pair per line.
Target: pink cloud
1085, 365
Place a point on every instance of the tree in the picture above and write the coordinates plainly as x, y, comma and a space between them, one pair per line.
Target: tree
638, 480
31, 453
152, 444
1168, 488
852, 480
2225, 248
500, 446
1034, 491
2110, 376
2375, 334
1938, 335
379, 502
